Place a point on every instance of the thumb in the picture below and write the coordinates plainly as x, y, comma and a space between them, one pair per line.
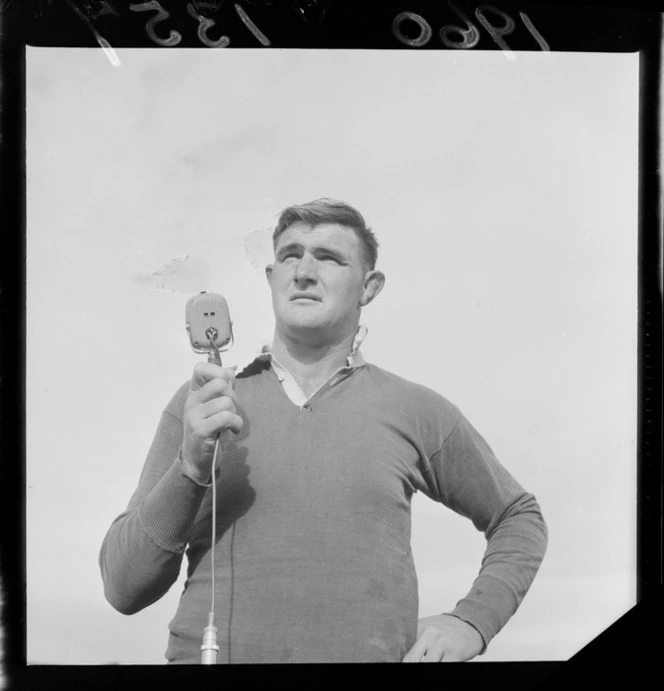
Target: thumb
228, 373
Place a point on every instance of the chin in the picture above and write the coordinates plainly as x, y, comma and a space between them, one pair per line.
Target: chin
305, 317
305, 324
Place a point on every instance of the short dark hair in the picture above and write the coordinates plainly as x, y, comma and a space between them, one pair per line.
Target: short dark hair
327, 210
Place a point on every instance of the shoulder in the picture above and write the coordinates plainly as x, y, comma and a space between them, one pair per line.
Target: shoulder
377, 376
419, 396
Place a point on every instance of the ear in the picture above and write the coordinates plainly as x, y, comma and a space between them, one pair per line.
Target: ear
373, 284
268, 272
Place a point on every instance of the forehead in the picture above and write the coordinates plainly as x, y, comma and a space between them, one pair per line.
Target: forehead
332, 235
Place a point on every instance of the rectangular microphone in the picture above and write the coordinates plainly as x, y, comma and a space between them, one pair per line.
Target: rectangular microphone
207, 316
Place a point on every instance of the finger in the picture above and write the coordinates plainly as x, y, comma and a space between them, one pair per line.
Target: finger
417, 652
203, 373
435, 651
217, 388
207, 371
225, 419
453, 656
216, 405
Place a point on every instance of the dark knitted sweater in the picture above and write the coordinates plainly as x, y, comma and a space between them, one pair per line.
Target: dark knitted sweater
313, 558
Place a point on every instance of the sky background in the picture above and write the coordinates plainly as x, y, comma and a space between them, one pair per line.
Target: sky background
504, 196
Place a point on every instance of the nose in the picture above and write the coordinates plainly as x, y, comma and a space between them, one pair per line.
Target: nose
305, 271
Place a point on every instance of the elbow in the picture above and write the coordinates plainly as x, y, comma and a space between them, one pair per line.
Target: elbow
129, 601
127, 593
534, 511
118, 592
135, 573
124, 603
524, 516
544, 528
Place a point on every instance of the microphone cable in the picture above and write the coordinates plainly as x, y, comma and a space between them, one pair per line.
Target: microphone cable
210, 648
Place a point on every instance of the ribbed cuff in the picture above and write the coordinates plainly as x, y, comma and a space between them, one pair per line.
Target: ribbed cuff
167, 514
487, 607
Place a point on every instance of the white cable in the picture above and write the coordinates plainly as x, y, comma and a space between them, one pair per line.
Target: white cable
214, 518
209, 648
217, 359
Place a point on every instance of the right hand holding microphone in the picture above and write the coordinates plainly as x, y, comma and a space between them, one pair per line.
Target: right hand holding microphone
209, 411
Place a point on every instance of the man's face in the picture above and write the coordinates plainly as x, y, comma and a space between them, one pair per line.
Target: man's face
318, 281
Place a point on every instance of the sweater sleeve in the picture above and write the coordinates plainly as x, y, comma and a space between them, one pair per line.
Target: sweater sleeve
466, 476
142, 551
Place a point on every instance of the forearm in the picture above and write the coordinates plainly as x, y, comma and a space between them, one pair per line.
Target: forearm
142, 552
514, 552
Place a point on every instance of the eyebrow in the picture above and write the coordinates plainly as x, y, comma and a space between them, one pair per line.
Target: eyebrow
288, 248
296, 246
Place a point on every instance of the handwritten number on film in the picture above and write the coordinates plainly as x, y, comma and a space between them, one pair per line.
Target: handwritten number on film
454, 36
496, 32
470, 36
174, 37
204, 24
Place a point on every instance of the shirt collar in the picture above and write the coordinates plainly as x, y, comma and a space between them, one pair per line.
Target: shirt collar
354, 360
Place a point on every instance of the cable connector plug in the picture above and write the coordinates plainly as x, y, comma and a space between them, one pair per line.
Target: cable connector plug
213, 355
209, 649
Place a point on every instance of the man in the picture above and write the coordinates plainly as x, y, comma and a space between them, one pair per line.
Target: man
314, 484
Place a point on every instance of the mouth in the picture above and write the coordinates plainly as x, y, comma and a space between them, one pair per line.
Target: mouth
303, 296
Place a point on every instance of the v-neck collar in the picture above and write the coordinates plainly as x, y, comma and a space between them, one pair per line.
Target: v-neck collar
289, 384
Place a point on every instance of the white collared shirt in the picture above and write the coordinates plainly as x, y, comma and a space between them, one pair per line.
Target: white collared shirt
292, 388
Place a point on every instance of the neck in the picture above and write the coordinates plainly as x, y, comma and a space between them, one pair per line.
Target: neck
311, 364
